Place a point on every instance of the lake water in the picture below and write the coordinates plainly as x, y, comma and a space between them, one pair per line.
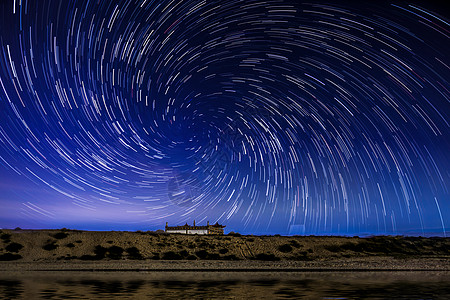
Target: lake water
225, 285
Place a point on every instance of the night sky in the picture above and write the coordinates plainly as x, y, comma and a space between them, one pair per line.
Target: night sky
269, 117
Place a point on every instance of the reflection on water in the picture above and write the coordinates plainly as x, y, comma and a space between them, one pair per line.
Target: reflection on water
225, 285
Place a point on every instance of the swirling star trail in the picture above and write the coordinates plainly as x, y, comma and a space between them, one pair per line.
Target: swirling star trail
268, 116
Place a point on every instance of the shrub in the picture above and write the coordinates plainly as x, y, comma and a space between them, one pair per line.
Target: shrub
184, 253
286, 248
14, 247
232, 233
223, 251
205, 245
10, 256
191, 257
360, 247
374, 247
115, 252
100, 251
333, 248
266, 257
90, 257
5, 236
202, 254
230, 257
133, 253
50, 246
213, 256
60, 235
67, 257
170, 255
295, 244
302, 256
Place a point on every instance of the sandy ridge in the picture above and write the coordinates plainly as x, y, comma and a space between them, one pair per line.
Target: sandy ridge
35, 250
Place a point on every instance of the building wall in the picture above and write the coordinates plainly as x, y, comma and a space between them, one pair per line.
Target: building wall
185, 229
198, 231
176, 231
216, 231
190, 231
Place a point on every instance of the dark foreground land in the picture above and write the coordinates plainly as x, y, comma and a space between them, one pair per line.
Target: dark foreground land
73, 250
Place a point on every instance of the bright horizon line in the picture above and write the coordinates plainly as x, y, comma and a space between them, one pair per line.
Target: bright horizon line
426, 233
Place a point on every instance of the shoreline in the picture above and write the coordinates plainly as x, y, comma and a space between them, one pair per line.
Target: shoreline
376, 264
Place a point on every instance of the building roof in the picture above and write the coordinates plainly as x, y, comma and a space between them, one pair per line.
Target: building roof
218, 225
187, 226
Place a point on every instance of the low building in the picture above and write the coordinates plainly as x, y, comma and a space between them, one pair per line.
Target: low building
194, 229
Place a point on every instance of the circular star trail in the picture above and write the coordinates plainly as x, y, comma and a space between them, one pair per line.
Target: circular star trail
267, 116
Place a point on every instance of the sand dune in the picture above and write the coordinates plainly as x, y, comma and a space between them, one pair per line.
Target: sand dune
73, 249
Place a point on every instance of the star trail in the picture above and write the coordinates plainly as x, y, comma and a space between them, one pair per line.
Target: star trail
267, 116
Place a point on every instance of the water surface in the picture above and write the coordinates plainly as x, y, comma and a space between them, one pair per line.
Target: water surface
225, 285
